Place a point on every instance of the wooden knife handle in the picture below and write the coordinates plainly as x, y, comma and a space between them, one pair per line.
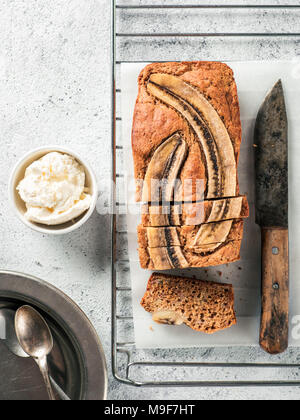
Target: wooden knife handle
274, 332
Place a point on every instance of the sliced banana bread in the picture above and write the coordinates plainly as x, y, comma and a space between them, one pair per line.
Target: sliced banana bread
177, 257
191, 237
193, 214
203, 306
186, 140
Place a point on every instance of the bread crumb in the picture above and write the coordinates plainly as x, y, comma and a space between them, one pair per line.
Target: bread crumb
151, 328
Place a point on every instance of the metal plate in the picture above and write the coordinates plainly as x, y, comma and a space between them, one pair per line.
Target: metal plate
77, 362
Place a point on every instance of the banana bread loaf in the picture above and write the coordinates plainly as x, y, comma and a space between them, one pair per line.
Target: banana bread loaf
186, 141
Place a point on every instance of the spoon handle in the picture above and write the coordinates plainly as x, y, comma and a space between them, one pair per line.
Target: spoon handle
62, 395
42, 363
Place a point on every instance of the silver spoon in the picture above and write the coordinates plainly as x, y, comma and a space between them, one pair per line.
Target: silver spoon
10, 340
36, 340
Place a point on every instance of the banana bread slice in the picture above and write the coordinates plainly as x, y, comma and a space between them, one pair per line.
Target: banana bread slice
177, 257
190, 237
193, 214
203, 306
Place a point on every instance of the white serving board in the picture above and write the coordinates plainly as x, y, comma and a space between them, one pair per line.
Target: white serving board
254, 80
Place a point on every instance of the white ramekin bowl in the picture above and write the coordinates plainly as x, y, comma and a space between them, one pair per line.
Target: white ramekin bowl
18, 174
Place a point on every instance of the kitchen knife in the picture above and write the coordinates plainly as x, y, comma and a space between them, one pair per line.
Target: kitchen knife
271, 161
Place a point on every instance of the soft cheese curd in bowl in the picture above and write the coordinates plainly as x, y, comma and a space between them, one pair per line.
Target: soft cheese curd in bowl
53, 190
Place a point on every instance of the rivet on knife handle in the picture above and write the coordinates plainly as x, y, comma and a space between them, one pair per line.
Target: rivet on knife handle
275, 290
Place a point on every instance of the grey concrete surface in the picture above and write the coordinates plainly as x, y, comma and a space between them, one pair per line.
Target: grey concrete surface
55, 89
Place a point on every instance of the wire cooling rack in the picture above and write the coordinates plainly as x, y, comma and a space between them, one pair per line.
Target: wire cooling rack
147, 31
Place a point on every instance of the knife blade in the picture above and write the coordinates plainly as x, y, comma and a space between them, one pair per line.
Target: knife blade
271, 164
